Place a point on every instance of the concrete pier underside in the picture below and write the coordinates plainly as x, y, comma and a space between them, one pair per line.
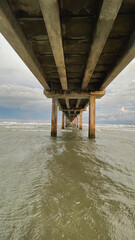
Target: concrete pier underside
74, 48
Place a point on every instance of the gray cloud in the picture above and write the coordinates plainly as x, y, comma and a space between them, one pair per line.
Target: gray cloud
20, 89
18, 86
120, 95
23, 97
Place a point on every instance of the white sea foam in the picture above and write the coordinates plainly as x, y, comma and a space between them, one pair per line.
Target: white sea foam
21, 123
38, 124
119, 127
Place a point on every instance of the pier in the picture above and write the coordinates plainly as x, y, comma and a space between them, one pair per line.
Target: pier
74, 48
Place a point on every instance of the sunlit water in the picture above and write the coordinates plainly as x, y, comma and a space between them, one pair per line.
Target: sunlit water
67, 187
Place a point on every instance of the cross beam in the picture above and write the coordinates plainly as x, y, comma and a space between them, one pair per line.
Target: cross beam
72, 110
74, 95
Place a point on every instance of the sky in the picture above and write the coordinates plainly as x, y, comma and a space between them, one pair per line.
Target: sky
22, 98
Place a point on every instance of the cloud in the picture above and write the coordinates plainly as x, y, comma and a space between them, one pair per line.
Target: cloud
119, 98
12, 69
123, 110
14, 96
20, 89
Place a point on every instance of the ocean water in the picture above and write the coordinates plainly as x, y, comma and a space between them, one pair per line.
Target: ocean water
69, 187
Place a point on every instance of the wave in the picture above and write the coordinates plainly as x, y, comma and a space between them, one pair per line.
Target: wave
115, 127
40, 124
4, 123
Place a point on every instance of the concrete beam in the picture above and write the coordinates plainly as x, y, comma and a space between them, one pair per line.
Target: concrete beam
73, 122
105, 22
74, 95
67, 102
11, 30
125, 59
72, 114
78, 103
72, 110
50, 10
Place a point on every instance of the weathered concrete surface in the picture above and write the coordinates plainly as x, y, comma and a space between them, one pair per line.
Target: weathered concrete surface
11, 30
91, 132
51, 16
80, 127
54, 39
105, 22
77, 121
125, 59
74, 95
54, 118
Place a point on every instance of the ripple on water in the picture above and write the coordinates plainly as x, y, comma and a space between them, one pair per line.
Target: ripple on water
66, 188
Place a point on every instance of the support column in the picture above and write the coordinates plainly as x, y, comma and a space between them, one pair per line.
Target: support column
92, 117
62, 120
77, 121
54, 118
80, 120
73, 122
66, 122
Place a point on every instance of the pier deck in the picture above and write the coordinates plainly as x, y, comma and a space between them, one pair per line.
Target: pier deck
74, 48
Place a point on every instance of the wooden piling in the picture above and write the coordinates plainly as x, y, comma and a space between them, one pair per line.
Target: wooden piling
54, 118
77, 121
91, 133
73, 122
66, 124
80, 121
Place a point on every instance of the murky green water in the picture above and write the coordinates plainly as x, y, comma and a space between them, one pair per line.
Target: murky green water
69, 187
